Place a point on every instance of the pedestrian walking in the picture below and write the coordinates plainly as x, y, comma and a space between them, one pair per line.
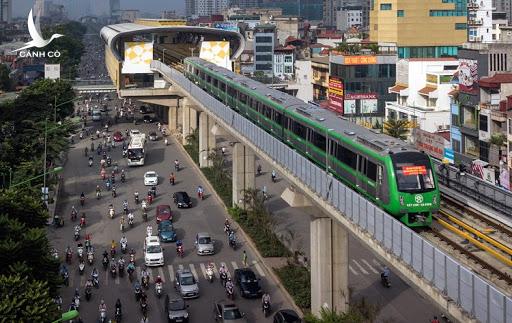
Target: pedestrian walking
244, 258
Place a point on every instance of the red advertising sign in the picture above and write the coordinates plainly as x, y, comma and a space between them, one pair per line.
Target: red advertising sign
336, 94
360, 96
414, 170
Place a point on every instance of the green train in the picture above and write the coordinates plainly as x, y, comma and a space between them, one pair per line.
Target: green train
387, 171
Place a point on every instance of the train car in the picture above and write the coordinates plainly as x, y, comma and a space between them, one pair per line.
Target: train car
386, 170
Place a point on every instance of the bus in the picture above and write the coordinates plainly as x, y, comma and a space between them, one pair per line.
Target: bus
136, 152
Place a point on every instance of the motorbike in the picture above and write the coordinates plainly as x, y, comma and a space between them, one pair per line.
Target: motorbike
274, 178
90, 257
130, 271
88, 293
180, 252
118, 314
69, 255
123, 177
58, 221
98, 195
82, 200
130, 220
132, 256
109, 162
145, 216
65, 276
95, 281
223, 278
136, 197
258, 170
385, 280
90, 162
105, 262
232, 243
177, 167
230, 292
73, 215
227, 228
76, 302
123, 246
111, 213
209, 274
138, 292
82, 222
144, 307
113, 270
103, 316
112, 252
266, 308
125, 210
121, 227
80, 253
114, 193
121, 269
145, 282
77, 234
158, 289
200, 195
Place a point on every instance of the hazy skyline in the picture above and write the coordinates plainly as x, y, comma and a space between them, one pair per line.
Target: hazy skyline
22, 7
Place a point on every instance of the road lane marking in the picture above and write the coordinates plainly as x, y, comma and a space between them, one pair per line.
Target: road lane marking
353, 270
180, 267
193, 270
360, 267
161, 273
203, 269
171, 272
258, 268
235, 266
369, 266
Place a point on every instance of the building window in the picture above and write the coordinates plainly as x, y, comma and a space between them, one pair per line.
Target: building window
385, 6
263, 57
456, 145
288, 69
400, 13
448, 13
392, 114
461, 26
288, 59
263, 39
455, 120
402, 115
484, 123
263, 48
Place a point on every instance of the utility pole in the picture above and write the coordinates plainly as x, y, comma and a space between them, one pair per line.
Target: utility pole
45, 192
55, 110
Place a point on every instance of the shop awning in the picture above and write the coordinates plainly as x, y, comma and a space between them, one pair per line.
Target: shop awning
431, 92
399, 89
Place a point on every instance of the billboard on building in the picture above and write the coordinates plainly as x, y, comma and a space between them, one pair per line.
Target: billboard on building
226, 25
336, 94
349, 106
431, 143
467, 75
137, 57
52, 71
369, 106
360, 60
216, 52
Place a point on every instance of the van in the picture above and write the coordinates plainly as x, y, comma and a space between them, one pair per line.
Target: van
153, 252
96, 115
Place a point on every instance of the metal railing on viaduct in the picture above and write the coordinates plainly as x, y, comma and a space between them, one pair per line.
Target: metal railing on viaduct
472, 294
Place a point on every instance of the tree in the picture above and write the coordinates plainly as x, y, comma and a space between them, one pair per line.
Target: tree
25, 300
397, 128
24, 206
499, 140
5, 81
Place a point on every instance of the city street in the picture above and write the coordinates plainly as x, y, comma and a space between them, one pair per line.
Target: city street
204, 216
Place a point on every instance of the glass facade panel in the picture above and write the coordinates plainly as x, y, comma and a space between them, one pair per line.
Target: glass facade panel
400, 13
385, 6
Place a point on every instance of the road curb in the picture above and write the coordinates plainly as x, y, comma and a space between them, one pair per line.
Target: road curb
247, 238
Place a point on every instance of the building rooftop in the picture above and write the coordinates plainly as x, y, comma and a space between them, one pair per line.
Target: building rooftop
317, 45
320, 60
495, 80
432, 59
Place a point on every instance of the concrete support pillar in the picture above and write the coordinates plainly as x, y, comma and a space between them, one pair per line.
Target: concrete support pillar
329, 265
189, 120
173, 119
243, 172
206, 139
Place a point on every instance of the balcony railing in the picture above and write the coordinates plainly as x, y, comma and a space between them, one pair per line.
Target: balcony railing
475, 22
472, 5
498, 115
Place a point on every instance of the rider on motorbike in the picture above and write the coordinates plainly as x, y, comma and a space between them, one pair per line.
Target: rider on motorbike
265, 298
123, 241
229, 284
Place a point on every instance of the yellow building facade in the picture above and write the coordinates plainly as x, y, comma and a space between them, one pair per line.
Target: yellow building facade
420, 28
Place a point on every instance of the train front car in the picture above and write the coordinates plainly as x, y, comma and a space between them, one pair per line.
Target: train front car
414, 190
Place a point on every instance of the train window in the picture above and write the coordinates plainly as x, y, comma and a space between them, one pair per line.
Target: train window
284, 122
361, 167
267, 111
231, 92
371, 171
277, 117
196, 72
318, 140
346, 156
299, 129
243, 98
222, 86
333, 146
208, 78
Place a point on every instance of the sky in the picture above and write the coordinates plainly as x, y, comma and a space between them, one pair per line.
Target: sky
22, 7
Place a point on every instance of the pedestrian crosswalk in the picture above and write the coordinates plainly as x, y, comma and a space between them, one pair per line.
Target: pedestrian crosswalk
362, 266
167, 272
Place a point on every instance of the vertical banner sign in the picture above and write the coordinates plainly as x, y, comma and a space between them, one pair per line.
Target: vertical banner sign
335, 94
216, 52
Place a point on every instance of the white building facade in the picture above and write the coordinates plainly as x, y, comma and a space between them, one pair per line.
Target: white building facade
284, 62
422, 87
349, 17
480, 21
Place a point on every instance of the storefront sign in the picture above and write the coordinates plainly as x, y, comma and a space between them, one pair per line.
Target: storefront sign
431, 143
361, 96
336, 94
359, 60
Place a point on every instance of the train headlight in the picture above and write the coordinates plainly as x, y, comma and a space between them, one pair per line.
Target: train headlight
401, 200
434, 200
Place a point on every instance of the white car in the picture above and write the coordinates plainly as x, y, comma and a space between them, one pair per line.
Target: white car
150, 178
134, 132
153, 252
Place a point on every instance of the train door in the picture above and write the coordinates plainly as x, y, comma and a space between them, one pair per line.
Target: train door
361, 173
381, 188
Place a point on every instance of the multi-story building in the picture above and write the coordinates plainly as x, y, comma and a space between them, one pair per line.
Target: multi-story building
6, 11
287, 26
210, 7
311, 10
320, 80
365, 79
348, 17
476, 60
284, 62
115, 8
499, 20
479, 21
422, 87
264, 43
245, 3
329, 12
420, 28
504, 6
190, 7
303, 80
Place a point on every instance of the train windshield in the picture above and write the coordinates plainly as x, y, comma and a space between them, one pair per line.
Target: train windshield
413, 172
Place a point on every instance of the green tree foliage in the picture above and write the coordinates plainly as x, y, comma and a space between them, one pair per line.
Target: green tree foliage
25, 300
359, 312
24, 207
297, 282
397, 128
70, 46
5, 81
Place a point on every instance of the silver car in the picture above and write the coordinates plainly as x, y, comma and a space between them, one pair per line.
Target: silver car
186, 284
204, 244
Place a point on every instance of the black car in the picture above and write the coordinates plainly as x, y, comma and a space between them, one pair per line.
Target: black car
227, 312
144, 109
248, 283
176, 310
147, 119
286, 316
182, 200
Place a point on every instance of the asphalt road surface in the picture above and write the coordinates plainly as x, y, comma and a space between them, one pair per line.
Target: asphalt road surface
204, 216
